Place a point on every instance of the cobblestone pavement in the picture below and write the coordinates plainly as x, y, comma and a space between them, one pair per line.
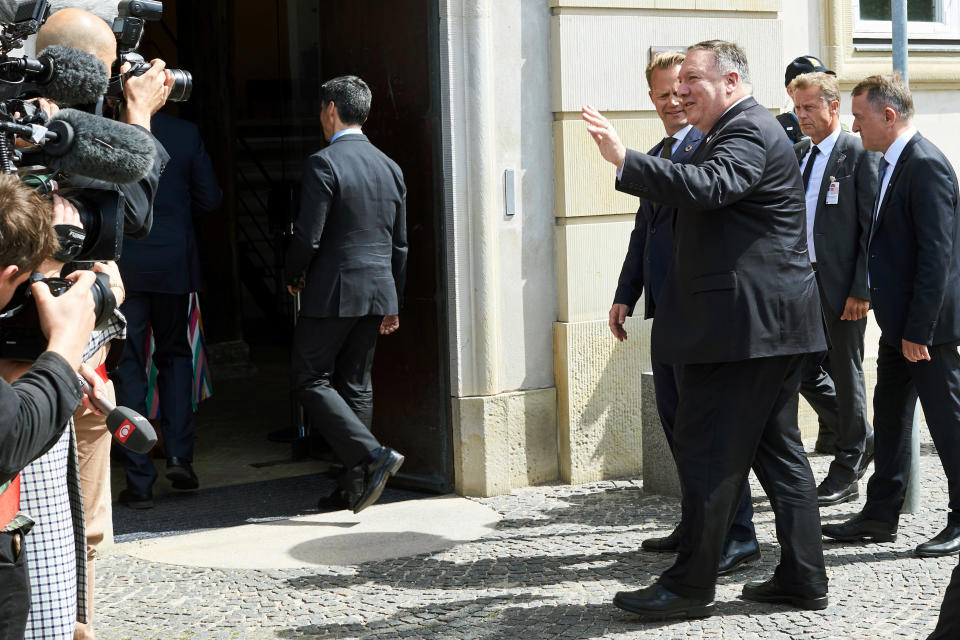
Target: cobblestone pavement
549, 570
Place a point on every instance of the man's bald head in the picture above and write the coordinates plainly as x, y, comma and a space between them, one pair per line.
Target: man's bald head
81, 30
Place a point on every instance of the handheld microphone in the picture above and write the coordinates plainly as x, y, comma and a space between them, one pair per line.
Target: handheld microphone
70, 77
95, 147
127, 427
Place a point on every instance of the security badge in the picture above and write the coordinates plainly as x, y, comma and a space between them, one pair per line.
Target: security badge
833, 191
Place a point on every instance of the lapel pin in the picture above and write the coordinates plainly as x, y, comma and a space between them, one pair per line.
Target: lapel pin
688, 147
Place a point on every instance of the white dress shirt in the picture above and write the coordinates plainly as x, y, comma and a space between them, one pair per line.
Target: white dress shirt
892, 155
677, 139
345, 132
816, 181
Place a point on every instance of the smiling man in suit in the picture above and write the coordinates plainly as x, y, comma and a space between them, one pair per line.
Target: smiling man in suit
739, 311
644, 270
840, 181
348, 256
914, 271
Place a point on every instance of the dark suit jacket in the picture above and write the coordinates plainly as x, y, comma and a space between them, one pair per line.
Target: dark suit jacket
350, 234
914, 253
841, 231
741, 285
651, 242
166, 261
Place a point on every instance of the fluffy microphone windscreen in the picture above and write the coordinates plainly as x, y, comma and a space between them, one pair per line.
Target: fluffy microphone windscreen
79, 78
104, 149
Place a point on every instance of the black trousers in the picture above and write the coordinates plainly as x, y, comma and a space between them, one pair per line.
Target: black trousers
732, 416
167, 315
14, 589
840, 397
330, 367
666, 384
948, 624
899, 383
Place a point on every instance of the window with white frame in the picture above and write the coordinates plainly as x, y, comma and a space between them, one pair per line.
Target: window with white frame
930, 21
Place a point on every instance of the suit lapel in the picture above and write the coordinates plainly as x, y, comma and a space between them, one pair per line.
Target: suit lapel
897, 170
687, 145
733, 112
836, 165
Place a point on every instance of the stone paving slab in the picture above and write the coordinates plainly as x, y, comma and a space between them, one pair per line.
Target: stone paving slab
548, 570
342, 538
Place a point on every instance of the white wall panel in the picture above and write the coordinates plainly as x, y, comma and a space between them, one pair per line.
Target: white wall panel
602, 57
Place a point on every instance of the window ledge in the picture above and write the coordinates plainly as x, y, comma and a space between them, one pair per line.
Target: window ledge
886, 47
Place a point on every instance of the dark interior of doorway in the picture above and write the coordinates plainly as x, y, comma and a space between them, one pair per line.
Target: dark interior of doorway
257, 68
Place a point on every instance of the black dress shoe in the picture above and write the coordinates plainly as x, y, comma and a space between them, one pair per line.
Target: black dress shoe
180, 474
385, 463
945, 543
134, 500
737, 553
859, 529
667, 543
656, 602
771, 591
831, 492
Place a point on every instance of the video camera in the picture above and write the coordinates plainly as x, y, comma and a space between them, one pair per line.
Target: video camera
128, 28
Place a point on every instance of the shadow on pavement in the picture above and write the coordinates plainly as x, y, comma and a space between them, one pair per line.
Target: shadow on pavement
231, 506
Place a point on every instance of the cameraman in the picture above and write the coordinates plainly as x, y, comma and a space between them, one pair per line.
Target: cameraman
143, 96
35, 409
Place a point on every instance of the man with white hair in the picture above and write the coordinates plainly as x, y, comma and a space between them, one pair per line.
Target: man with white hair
740, 311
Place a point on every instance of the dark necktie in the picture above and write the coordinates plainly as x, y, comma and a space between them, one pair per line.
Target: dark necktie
807, 170
881, 170
666, 151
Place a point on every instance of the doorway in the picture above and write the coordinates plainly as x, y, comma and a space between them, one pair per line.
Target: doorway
266, 60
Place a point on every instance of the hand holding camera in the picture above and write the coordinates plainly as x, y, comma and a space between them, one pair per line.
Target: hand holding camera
145, 94
68, 318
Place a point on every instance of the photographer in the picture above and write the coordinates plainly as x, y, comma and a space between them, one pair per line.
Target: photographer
35, 409
143, 96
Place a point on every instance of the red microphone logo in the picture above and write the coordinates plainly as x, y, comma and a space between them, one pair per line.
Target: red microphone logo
123, 433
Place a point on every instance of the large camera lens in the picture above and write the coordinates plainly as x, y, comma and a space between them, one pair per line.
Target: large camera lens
104, 301
182, 85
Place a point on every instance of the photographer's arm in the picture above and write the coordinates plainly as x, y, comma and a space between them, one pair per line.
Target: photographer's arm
144, 95
34, 411
37, 406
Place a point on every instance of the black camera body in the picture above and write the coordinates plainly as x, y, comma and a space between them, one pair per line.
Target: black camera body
128, 29
20, 334
101, 238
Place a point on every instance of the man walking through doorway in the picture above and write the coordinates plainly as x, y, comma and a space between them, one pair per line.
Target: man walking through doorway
348, 258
